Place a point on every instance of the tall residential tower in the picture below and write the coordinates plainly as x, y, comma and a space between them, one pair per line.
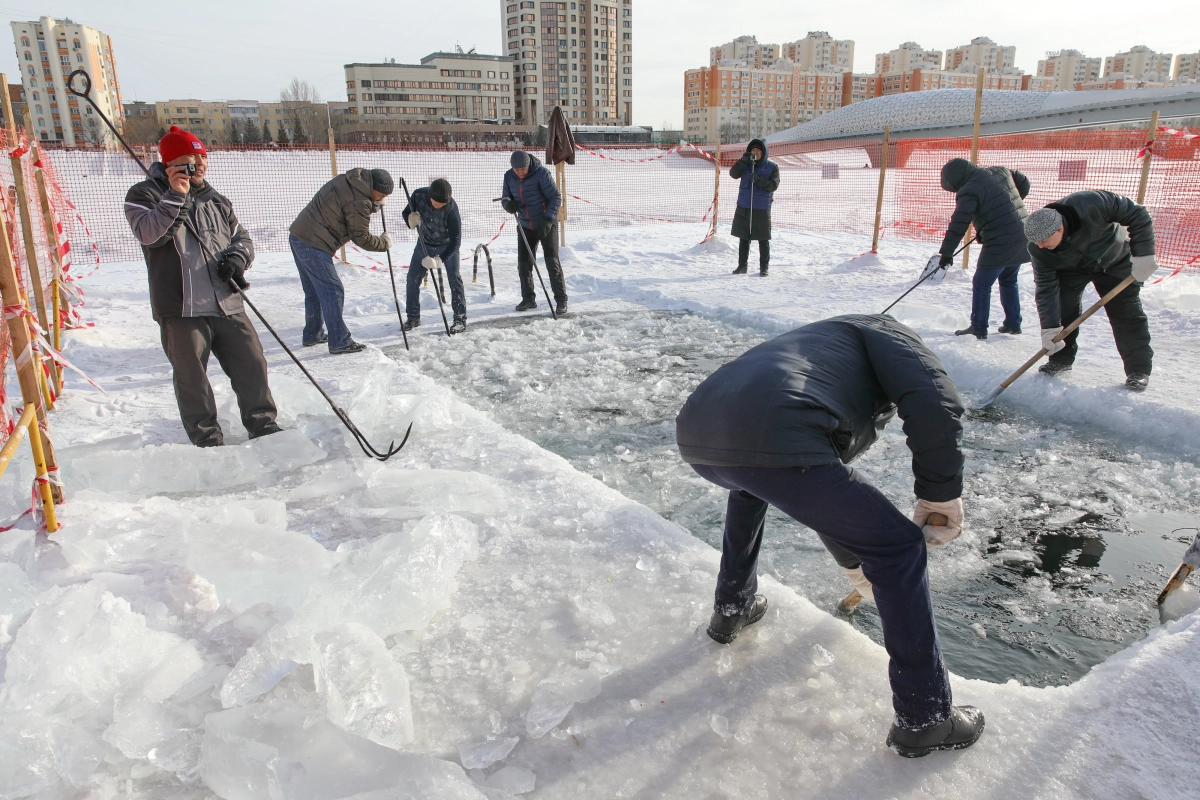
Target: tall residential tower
571, 54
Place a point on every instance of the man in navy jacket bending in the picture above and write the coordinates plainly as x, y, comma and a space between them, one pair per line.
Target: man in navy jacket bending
778, 426
530, 193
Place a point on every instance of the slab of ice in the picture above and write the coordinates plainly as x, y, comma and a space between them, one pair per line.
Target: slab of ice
170, 468
284, 752
514, 780
484, 754
397, 493
16, 602
395, 584
555, 696
365, 691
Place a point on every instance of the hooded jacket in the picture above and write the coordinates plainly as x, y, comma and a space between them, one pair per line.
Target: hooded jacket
760, 185
183, 274
820, 395
340, 212
991, 198
1094, 241
536, 195
441, 228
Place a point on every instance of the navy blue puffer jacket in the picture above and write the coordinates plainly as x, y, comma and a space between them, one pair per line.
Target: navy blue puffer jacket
536, 195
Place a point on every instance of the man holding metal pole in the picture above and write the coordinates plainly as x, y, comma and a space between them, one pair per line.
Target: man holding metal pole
1100, 238
434, 215
197, 311
529, 193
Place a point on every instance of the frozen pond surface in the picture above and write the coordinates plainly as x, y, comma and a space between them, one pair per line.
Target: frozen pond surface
1070, 533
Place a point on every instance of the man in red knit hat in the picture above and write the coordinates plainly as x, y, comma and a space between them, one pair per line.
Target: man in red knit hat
195, 249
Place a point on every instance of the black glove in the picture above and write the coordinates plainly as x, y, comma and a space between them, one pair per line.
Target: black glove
762, 182
232, 266
511, 206
544, 229
946, 261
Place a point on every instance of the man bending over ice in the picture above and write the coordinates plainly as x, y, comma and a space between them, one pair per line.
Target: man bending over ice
778, 426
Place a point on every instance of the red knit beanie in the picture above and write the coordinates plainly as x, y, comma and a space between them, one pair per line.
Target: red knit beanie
179, 142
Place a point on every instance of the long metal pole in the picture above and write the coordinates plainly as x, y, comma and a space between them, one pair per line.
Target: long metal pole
979, 80
392, 275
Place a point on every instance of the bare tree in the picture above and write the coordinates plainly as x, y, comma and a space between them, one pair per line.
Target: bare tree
143, 130
304, 109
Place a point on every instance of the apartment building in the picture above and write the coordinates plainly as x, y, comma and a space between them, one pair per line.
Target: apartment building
1139, 64
820, 51
907, 57
1187, 68
48, 50
16, 96
571, 54
1067, 69
735, 102
746, 50
443, 88
208, 120
982, 52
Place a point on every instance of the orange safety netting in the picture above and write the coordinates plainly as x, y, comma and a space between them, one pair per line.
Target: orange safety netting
824, 186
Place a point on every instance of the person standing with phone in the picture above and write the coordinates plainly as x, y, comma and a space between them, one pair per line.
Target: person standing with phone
752, 219
191, 297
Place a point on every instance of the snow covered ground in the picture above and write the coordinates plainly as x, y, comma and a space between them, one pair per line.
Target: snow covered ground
478, 618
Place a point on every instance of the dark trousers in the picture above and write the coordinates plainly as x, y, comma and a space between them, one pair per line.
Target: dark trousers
981, 296
416, 273
1131, 329
323, 295
764, 253
188, 341
525, 257
843, 508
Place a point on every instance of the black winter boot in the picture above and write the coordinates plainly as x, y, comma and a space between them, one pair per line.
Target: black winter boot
960, 730
1053, 368
978, 334
740, 270
413, 322
459, 326
1137, 381
525, 305
724, 629
353, 347
1006, 329
560, 308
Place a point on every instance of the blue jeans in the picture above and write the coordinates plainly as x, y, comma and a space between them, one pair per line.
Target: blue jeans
847, 511
416, 273
981, 296
323, 294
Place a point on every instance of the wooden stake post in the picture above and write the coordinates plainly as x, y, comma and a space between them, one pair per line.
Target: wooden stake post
56, 267
716, 187
883, 160
334, 170
979, 79
1150, 136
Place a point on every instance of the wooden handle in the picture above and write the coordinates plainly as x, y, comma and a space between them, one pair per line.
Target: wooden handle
937, 520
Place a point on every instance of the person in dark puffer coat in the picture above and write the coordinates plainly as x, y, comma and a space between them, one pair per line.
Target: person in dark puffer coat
530, 193
990, 198
752, 219
779, 425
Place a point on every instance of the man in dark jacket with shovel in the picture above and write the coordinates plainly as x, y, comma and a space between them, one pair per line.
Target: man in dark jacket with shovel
434, 215
339, 212
752, 219
197, 311
990, 198
530, 193
1083, 239
778, 426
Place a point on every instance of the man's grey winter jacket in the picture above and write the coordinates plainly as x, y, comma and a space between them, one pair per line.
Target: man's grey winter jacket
1094, 241
990, 198
183, 275
820, 395
340, 212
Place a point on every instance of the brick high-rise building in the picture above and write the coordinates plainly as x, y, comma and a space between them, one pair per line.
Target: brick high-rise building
820, 51
572, 54
1141, 64
906, 58
49, 50
1068, 69
982, 52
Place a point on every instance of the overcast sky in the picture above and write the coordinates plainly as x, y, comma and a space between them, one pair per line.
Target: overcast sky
249, 49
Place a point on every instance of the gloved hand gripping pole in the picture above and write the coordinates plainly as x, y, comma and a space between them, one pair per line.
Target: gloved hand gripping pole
366, 446
421, 241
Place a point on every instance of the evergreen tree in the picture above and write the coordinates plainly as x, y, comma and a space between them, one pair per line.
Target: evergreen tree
299, 135
282, 137
266, 131
250, 132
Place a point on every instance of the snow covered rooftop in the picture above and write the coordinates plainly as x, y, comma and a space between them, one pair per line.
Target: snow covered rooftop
943, 111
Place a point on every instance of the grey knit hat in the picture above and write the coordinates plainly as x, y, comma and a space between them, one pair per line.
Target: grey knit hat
1041, 224
381, 181
519, 159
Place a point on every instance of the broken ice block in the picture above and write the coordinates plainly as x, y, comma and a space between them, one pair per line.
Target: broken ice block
285, 752
484, 754
555, 696
514, 780
364, 689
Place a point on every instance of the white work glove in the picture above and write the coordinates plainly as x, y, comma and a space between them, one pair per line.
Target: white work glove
1143, 268
1048, 342
431, 262
938, 535
414, 220
860, 582
387, 241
